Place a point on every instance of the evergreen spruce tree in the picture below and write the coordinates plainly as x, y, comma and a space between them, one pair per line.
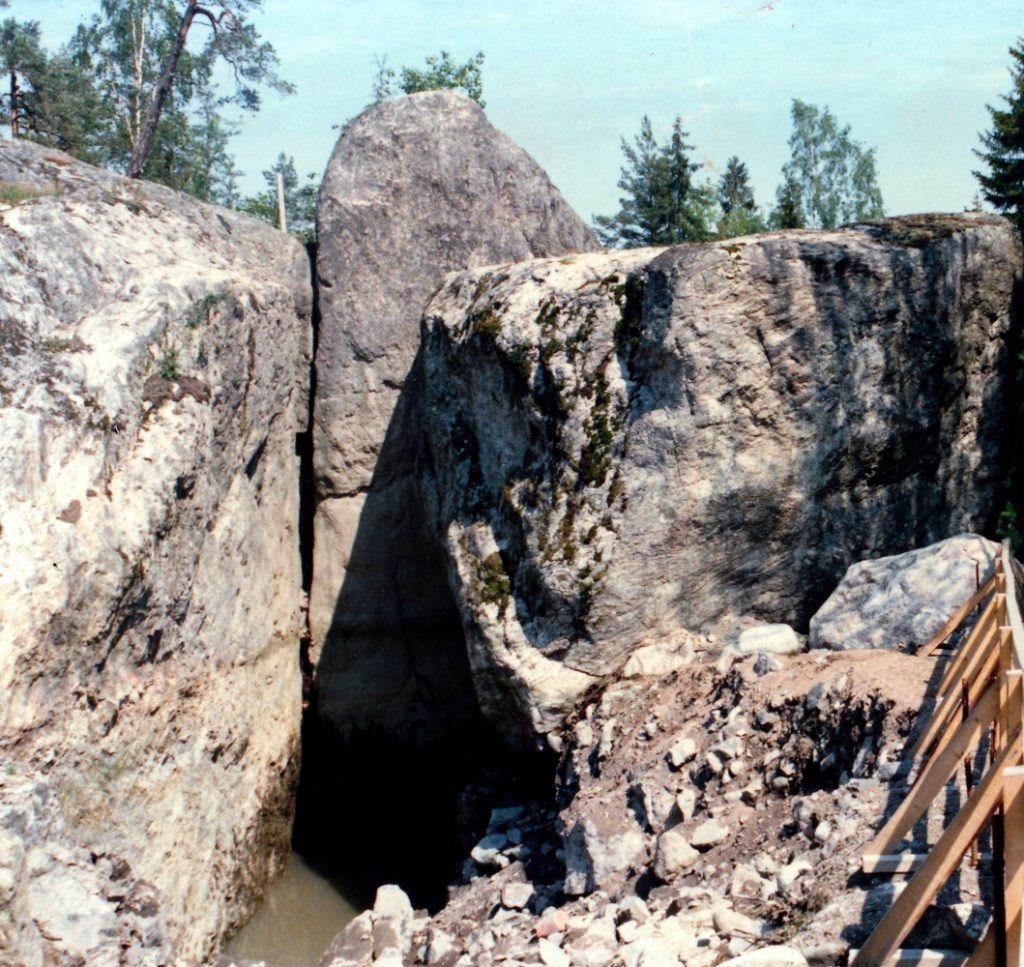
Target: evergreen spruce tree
1003, 147
740, 214
789, 210
662, 204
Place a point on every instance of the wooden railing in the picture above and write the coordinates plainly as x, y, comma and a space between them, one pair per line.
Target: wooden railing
979, 698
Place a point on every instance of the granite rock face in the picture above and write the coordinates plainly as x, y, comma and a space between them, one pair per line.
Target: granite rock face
416, 187
624, 445
900, 601
61, 903
153, 377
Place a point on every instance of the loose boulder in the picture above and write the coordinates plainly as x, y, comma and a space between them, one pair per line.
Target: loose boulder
901, 601
153, 374
416, 187
630, 444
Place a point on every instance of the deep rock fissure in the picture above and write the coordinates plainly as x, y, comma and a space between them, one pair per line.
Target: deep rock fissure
372, 809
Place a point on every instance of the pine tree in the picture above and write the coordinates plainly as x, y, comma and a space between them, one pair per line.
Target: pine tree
160, 99
662, 205
1003, 186
740, 214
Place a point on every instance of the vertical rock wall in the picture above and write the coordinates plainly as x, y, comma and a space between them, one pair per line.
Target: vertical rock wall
153, 376
416, 187
631, 444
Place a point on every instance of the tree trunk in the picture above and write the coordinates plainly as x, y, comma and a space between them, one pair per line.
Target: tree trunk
140, 151
15, 124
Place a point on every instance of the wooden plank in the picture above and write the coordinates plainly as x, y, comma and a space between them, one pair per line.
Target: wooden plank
979, 670
943, 859
978, 638
1013, 860
890, 863
936, 773
984, 954
1011, 570
931, 958
954, 620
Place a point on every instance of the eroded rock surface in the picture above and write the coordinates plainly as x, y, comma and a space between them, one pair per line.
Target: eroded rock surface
901, 601
153, 377
61, 903
416, 187
627, 445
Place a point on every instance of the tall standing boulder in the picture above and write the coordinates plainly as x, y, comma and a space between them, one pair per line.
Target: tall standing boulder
631, 444
154, 362
416, 187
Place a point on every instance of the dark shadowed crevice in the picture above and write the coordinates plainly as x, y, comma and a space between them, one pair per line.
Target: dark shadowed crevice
307, 483
373, 810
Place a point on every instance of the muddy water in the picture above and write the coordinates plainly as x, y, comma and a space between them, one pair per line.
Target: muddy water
299, 918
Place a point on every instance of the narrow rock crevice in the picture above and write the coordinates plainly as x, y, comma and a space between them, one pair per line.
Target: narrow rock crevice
307, 482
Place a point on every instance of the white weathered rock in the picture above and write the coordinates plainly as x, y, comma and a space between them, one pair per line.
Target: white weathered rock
153, 377
551, 954
416, 187
682, 752
515, 896
787, 875
708, 834
653, 439
901, 601
672, 855
597, 855
686, 802
769, 639
392, 922
654, 660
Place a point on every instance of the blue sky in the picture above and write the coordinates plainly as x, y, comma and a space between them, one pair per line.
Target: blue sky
568, 78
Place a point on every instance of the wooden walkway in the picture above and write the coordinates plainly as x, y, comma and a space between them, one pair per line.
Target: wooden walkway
979, 703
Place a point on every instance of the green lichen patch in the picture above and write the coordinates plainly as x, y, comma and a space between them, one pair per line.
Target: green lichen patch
213, 303
61, 344
629, 297
495, 587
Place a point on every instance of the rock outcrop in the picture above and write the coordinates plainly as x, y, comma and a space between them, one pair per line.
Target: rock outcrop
153, 377
628, 445
900, 601
416, 187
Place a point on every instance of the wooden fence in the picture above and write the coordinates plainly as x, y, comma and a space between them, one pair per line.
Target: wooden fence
978, 699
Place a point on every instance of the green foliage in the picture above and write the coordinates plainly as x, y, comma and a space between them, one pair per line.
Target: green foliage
1010, 526
662, 204
740, 214
1003, 185
299, 200
169, 365
495, 587
789, 208
12, 193
835, 176
440, 73
97, 98
61, 344
202, 310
